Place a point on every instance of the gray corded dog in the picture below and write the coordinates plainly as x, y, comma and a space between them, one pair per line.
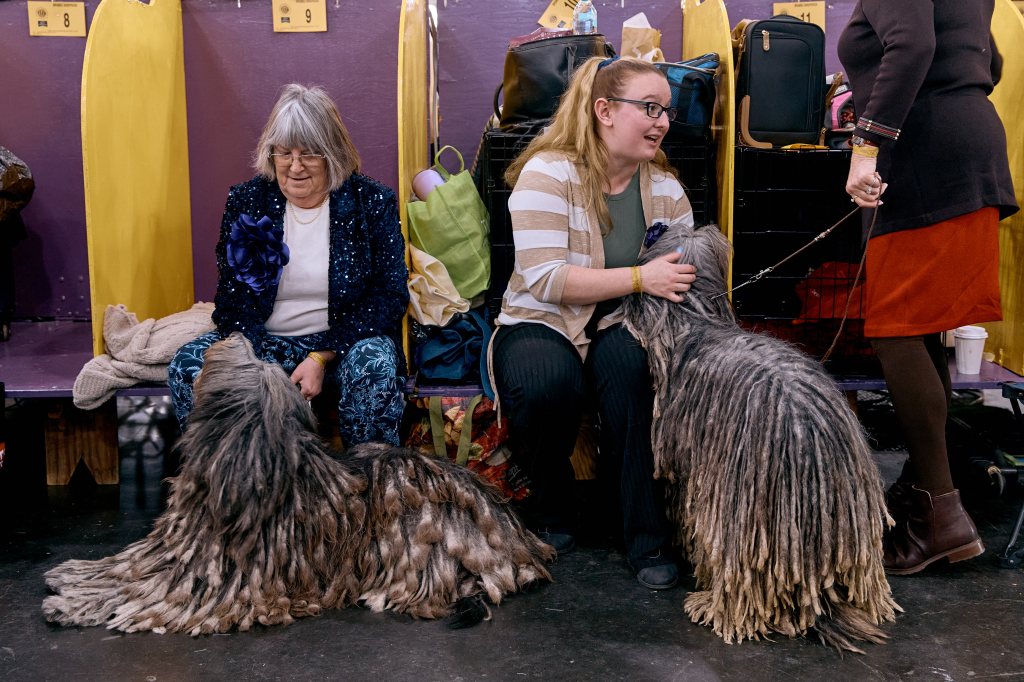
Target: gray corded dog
264, 525
774, 493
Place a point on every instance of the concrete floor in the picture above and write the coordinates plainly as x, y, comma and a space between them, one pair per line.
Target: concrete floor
962, 622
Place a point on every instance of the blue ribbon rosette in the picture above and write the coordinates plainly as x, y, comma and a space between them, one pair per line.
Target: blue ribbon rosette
257, 252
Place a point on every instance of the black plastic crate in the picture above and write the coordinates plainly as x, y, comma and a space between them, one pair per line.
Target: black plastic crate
499, 149
783, 200
693, 159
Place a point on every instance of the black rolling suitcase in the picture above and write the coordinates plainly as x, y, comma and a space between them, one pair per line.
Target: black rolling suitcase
780, 82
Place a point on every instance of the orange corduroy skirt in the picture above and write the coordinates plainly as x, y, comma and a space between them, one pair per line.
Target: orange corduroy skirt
934, 278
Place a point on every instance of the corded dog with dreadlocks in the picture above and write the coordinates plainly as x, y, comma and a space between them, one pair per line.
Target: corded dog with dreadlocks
264, 525
773, 491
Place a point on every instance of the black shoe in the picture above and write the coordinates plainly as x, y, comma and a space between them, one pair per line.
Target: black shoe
562, 542
656, 571
662, 577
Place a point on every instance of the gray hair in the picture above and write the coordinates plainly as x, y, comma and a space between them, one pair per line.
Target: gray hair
306, 117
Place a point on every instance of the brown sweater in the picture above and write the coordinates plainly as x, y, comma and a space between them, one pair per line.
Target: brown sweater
926, 67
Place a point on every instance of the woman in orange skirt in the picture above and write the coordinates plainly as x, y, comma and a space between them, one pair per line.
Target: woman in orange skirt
928, 137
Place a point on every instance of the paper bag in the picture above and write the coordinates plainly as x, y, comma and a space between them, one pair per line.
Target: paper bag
640, 40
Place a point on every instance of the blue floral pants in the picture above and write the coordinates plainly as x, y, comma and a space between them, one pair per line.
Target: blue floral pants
370, 403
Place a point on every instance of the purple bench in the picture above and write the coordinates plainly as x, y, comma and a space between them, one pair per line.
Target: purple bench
42, 359
40, 363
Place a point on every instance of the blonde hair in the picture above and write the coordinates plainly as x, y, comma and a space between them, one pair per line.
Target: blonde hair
573, 130
306, 118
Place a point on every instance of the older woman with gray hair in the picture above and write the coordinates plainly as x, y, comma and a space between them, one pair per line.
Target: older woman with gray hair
312, 270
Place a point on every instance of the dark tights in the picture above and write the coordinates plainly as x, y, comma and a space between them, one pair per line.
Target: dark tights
917, 374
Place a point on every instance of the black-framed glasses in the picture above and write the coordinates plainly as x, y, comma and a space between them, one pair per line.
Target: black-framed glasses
287, 158
653, 109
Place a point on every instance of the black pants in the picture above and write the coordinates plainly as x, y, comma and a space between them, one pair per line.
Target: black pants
544, 389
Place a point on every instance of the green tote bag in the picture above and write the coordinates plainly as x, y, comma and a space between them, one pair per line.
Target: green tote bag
452, 226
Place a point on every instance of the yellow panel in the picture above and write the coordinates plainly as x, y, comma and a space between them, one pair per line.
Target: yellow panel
412, 107
1006, 338
706, 29
135, 157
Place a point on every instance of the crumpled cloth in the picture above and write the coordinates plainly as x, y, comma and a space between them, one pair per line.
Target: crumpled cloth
433, 298
137, 351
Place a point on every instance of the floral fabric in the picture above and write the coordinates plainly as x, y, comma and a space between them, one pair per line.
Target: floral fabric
370, 402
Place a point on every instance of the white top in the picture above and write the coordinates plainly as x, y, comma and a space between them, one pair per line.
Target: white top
301, 305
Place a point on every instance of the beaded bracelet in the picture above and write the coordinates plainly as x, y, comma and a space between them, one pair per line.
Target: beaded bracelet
867, 125
638, 284
319, 358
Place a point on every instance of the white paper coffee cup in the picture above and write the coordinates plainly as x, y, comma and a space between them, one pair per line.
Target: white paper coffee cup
969, 345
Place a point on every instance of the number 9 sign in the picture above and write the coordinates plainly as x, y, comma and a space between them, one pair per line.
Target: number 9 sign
300, 16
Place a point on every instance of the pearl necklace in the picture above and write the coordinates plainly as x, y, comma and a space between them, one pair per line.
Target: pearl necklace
319, 210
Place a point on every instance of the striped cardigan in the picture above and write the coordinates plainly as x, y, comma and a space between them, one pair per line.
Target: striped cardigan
553, 230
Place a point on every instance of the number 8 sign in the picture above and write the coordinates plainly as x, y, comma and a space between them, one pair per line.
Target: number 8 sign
56, 19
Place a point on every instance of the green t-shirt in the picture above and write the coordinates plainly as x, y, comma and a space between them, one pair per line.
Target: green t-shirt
623, 241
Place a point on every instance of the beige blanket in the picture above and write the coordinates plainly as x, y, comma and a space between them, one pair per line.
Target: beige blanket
137, 351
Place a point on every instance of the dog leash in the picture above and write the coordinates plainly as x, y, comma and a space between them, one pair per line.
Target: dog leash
849, 298
803, 248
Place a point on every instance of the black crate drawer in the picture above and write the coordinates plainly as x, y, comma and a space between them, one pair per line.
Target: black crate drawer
754, 251
821, 294
777, 169
770, 297
793, 210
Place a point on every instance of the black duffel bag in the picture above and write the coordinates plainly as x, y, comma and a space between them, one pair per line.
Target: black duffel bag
537, 73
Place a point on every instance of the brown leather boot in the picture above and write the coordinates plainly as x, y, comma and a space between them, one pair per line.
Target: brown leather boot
937, 527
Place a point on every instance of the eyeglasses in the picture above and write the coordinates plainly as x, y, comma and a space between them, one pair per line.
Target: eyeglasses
654, 110
307, 159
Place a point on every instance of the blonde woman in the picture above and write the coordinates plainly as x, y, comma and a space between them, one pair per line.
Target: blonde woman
586, 194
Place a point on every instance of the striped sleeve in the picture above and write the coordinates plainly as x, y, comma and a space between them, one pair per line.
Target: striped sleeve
670, 204
540, 210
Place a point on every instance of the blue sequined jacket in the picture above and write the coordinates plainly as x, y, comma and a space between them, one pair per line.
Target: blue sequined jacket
368, 292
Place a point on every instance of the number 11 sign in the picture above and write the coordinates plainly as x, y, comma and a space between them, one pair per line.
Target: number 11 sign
811, 12
300, 16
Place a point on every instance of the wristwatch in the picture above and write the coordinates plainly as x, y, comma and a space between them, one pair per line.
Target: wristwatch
858, 141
